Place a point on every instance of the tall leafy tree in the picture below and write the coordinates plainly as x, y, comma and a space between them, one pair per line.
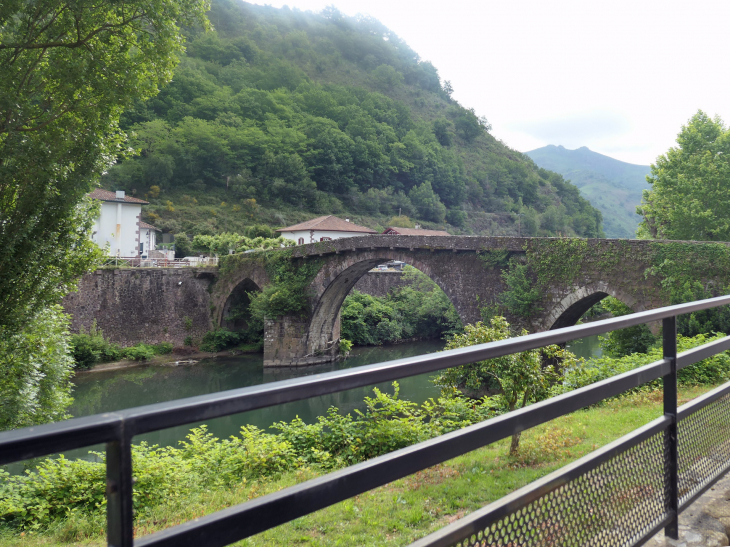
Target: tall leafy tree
68, 68
67, 71
690, 193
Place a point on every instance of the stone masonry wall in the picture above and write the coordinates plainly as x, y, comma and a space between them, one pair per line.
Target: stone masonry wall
379, 283
143, 305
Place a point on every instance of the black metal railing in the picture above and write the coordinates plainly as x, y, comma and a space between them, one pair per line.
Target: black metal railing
621, 494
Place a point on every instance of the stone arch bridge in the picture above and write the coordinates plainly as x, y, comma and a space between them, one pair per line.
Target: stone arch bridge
578, 273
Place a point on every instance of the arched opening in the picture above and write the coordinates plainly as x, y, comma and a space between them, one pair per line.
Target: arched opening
602, 305
236, 316
577, 310
385, 304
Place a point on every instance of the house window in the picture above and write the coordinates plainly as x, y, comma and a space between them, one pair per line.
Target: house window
325, 239
301, 241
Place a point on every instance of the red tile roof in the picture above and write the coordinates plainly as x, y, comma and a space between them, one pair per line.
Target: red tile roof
328, 223
148, 226
394, 230
108, 195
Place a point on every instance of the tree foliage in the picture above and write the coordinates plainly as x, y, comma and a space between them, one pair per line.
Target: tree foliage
35, 370
518, 379
418, 309
326, 113
690, 194
67, 70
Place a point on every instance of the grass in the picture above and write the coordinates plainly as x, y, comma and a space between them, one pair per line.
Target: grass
407, 509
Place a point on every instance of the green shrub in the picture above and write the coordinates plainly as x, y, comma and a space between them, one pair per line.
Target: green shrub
139, 352
713, 370
163, 348
60, 488
345, 345
91, 348
219, 339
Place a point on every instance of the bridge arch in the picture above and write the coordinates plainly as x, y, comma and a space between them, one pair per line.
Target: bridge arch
250, 275
234, 312
332, 285
571, 308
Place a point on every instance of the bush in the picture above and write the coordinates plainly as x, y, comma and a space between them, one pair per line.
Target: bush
61, 488
713, 370
35, 370
91, 348
219, 339
140, 352
163, 348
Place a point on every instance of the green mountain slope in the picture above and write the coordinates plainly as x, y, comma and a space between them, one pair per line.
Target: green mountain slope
612, 186
281, 115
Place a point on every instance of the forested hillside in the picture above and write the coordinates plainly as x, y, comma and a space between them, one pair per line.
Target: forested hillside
614, 187
281, 115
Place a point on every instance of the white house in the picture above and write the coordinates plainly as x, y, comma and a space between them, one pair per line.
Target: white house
323, 229
147, 238
119, 225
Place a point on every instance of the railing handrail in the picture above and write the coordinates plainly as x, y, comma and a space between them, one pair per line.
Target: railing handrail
223, 527
157, 416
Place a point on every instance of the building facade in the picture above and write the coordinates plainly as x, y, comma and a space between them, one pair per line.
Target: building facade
324, 228
119, 228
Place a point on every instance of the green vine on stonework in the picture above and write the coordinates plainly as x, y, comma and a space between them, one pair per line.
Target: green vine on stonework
685, 272
553, 262
288, 292
689, 272
495, 258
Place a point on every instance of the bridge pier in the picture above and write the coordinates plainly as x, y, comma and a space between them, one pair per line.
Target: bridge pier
287, 343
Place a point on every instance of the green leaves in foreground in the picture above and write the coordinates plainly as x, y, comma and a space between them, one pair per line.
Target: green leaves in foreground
60, 486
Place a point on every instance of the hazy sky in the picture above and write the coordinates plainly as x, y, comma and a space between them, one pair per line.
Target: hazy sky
620, 77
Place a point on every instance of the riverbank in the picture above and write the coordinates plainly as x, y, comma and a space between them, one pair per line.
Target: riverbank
170, 358
404, 510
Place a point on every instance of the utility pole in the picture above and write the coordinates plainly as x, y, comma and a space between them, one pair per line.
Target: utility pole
519, 224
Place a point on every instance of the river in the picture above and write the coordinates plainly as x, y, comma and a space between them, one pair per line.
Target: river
107, 391
97, 392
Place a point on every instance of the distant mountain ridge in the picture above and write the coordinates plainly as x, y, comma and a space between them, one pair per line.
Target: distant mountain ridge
612, 186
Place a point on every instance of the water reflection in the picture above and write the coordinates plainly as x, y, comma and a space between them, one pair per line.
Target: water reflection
98, 392
587, 347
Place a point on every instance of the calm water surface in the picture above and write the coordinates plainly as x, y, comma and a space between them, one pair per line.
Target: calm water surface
586, 347
98, 392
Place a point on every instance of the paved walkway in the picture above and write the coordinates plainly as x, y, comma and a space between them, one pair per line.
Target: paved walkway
705, 523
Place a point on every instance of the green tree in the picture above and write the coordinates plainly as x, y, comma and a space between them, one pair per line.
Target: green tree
690, 185
441, 131
518, 379
67, 70
427, 203
622, 342
35, 370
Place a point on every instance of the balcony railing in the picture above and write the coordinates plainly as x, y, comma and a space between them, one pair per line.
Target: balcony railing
139, 262
621, 494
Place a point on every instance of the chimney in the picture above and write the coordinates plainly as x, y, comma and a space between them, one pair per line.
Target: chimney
120, 194
347, 220
418, 226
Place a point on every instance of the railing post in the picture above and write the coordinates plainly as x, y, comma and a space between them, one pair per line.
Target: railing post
669, 333
119, 525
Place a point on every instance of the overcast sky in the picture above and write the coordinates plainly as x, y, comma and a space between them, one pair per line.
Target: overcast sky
620, 77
